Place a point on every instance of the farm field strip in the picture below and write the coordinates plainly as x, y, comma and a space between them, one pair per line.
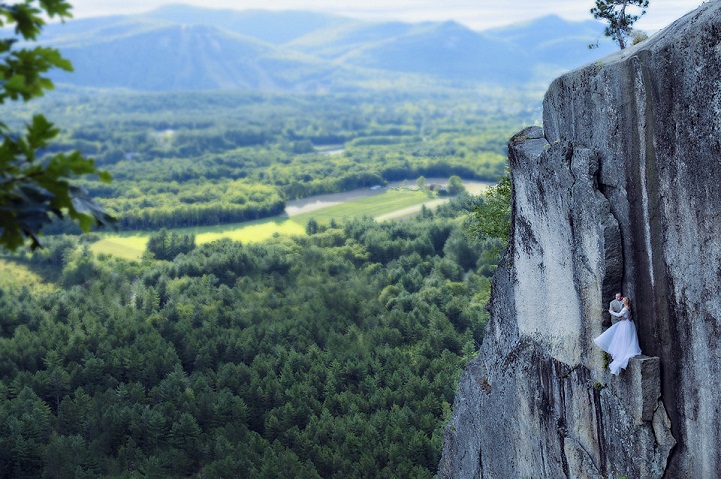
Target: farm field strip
13, 274
382, 205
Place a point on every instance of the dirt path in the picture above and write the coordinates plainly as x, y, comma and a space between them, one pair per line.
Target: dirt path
410, 210
306, 205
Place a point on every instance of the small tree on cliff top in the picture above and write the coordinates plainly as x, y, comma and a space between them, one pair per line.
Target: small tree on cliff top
491, 220
620, 21
34, 186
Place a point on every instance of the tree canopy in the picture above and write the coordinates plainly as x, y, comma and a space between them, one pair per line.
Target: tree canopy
491, 219
35, 186
620, 21
328, 355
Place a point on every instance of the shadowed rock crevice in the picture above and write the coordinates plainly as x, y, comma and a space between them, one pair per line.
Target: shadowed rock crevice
620, 190
613, 254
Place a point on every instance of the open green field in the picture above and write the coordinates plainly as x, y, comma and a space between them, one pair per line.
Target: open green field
131, 245
13, 274
372, 206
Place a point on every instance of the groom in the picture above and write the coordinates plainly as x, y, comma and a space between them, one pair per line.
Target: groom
616, 306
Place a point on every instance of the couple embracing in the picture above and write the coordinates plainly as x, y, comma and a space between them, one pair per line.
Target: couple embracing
620, 340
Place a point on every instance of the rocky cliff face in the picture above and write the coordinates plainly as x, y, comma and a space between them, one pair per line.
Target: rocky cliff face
621, 190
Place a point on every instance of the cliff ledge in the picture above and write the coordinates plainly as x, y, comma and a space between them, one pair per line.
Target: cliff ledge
620, 190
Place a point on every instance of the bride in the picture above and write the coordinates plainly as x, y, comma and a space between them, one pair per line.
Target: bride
620, 340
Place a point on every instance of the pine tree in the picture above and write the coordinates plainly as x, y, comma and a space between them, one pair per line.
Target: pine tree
620, 22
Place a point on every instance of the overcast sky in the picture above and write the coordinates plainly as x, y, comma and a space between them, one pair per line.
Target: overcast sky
478, 14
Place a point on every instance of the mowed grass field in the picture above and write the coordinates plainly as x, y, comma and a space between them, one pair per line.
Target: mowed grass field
13, 274
131, 245
373, 206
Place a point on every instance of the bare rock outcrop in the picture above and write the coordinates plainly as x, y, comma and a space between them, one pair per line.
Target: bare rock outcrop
621, 190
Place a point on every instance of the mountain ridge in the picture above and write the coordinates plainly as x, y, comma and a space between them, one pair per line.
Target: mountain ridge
303, 51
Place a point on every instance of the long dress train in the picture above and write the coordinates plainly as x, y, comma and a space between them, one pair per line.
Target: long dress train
620, 341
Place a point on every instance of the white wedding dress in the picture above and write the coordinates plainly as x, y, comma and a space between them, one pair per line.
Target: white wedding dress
620, 341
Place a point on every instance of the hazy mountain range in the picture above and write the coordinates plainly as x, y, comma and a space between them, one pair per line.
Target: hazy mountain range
189, 48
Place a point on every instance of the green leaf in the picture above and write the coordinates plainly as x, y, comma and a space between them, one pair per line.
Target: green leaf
105, 177
40, 131
53, 57
15, 82
31, 192
58, 8
87, 211
25, 16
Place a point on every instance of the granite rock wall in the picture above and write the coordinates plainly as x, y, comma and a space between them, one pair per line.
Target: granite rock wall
620, 190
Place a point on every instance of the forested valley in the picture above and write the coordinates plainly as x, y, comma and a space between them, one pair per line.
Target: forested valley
182, 160
333, 354
275, 300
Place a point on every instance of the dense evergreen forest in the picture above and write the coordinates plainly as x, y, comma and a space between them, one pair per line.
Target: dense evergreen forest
182, 160
332, 354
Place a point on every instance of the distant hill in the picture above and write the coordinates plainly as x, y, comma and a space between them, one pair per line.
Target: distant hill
446, 50
553, 42
273, 27
180, 47
334, 41
189, 57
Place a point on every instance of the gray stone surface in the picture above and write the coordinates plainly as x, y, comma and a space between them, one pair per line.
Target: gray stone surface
580, 463
642, 374
620, 190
